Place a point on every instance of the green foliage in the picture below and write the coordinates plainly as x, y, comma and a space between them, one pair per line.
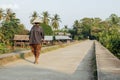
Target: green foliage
72, 32
82, 28
55, 21
46, 18
3, 48
107, 32
10, 26
47, 29
111, 40
33, 17
46, 22
114, 45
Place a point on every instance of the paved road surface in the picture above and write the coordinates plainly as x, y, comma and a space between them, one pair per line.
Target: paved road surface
69, 63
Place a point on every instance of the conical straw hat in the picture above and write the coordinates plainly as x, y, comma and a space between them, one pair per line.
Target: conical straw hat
37, 20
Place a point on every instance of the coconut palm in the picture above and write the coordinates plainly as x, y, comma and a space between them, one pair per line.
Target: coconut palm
113, 19
1, 36
45, 18
55, 22
65, 29
34, 16
10, 26
76, 24
8, 15
76, 27
1, 14
10, 18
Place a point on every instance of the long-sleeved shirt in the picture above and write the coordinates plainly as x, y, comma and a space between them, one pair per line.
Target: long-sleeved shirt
36, 35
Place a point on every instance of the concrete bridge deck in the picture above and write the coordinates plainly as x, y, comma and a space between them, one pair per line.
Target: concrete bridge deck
74, 62
62, 64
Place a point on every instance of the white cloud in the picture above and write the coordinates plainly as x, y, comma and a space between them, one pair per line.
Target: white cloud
12, 6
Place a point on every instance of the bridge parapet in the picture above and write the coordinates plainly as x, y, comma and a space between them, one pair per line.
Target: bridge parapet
108, 66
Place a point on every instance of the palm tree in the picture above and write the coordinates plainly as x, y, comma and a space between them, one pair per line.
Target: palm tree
34, 16
55, 22
76, 27
10, 25
1, 36
1, 14
114, 19
8, 15
65, 29
10, 18
45, 18
76, 24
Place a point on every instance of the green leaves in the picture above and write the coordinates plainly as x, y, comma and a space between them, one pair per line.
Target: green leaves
3, 48
46, 18
10, 26
55, 21
47, 29
107, 32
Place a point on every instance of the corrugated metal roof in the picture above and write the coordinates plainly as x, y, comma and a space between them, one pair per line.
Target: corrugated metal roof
49, 38
62, 37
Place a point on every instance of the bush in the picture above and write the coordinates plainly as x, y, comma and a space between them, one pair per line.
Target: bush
114, 46
3, 48
47, 29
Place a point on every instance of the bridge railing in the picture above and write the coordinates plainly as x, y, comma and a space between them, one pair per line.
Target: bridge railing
108, 66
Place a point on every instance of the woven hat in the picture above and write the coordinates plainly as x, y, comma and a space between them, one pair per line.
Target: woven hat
37, 20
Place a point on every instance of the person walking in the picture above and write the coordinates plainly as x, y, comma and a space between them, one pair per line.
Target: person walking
36, 37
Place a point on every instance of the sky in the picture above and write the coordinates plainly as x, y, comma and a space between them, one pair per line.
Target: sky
68, 10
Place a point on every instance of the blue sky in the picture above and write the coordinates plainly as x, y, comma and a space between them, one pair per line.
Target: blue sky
69, 10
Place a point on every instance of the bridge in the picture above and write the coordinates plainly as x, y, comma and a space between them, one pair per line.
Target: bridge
86, 60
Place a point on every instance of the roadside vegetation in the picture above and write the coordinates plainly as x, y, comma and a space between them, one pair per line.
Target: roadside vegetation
9, 26
107, 32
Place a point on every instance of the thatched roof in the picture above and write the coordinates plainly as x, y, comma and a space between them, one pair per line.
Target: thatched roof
21, 37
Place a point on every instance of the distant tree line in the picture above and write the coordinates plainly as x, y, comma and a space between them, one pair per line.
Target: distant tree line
9, 26
107, 32
49, 24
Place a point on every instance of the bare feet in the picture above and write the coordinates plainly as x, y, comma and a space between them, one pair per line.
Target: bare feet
36, 62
